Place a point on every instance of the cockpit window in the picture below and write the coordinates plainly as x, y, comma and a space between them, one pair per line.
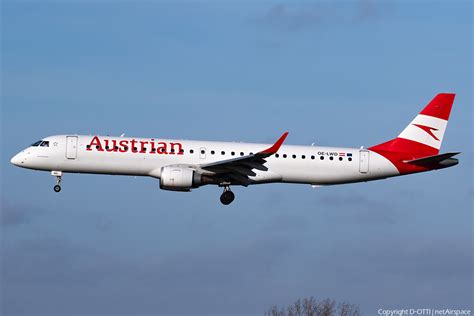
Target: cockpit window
45, 144
37, 143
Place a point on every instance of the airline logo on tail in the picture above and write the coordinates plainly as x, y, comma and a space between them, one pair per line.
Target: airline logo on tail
421, 130
428, 129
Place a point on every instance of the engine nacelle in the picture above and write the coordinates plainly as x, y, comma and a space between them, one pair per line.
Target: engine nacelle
177, 178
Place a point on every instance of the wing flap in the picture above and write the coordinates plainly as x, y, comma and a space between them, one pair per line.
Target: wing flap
242, 170
240, 178
254, 165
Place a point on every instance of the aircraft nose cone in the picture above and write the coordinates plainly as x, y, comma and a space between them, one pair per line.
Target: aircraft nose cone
15, 160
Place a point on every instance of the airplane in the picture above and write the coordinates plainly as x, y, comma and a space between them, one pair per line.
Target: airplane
183, 165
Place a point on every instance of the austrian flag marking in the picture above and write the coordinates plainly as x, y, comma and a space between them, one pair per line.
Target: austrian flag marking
135, 146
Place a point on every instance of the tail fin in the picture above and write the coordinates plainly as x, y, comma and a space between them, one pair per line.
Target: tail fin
424, 135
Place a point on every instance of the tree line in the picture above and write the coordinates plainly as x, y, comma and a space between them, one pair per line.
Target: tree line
311, 307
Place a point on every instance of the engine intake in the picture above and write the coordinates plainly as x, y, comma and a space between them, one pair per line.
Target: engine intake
177, 178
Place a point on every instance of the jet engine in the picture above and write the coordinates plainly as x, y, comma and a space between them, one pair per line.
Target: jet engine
178, 178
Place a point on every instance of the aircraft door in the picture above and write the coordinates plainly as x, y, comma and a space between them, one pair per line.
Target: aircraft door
71, 147
364, 161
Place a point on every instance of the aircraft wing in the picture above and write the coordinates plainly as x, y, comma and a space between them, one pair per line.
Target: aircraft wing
241, 168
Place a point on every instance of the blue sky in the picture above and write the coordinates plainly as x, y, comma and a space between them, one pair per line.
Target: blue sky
333, 73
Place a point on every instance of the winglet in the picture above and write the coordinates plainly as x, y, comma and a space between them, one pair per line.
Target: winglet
275, 146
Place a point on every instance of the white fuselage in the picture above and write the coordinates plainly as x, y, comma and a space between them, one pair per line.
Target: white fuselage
292, 164
183, 165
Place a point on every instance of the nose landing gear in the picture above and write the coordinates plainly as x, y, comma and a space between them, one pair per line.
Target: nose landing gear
227, 196
58, 175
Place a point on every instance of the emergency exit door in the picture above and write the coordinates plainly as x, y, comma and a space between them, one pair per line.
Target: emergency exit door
364, 161
71, 147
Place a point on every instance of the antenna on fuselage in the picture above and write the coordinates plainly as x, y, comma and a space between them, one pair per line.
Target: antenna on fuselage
123, 134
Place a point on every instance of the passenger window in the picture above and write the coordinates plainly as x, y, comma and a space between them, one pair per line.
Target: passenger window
241, 153
232, 153
303, 157
277, 155
331, 158
222, 152
37, 143
340, 158
191, 151
322, 157
284, 156
212, 152
294, 156
312, 157
350, 159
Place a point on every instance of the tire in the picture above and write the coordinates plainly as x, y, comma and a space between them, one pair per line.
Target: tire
227, 197
57, 188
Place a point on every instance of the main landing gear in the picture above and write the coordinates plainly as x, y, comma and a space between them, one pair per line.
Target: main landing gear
227, 196
58, 175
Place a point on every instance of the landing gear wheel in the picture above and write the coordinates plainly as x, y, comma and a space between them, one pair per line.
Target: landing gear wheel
58, 175
227, 197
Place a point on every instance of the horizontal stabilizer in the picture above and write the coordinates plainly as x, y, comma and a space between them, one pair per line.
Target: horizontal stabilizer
434, 160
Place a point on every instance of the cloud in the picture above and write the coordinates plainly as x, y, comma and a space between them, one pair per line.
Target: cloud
11, 216
289, 18
293, 17
61, 277
431, 271
433, 260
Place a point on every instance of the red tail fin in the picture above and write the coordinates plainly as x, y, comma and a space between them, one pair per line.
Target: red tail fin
423, 136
